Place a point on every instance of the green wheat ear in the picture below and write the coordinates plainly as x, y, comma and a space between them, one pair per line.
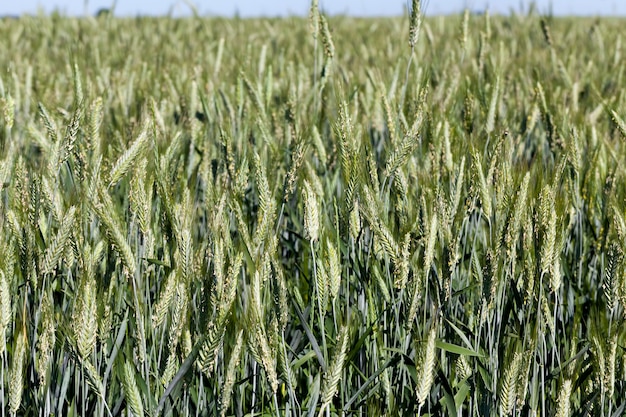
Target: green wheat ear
231, 371
17, 373
84, 317
508, 389
6, 316
483, 189
129, 157
311, 213
46, 339
8, 111
131, 390
333, 374
621, 126
563, 403
610, 282
426, 362
179, 320
58, 245
266, 203
211, 348
165, 300
329, 46
49, 123
415, 22
334, 270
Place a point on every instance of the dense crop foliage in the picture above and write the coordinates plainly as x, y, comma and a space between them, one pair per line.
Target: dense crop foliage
312, 217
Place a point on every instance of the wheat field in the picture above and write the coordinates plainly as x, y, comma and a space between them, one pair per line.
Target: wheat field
314, 217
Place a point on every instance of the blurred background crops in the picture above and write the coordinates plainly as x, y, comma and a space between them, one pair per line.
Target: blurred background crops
312, 217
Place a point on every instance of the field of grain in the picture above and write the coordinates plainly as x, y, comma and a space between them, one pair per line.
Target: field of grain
312, 217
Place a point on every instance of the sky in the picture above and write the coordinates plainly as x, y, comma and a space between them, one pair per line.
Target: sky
251, 8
